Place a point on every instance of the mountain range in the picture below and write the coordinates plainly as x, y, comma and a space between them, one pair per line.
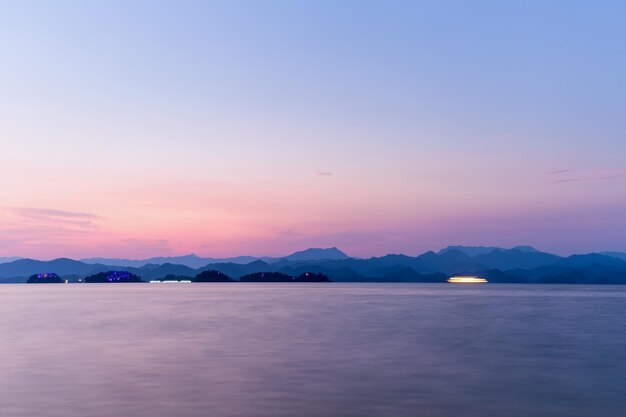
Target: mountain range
4, 260
521, 264
620, 255
194, 261
483, 250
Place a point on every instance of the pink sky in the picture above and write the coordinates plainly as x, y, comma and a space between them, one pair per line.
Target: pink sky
219, 128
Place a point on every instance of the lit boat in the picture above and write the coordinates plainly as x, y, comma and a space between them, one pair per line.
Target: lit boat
466, 280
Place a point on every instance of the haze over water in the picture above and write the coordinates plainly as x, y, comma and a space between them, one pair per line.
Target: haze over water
312, 350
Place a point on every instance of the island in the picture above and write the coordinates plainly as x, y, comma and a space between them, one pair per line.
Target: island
212, 275
45, 278
113, 277
173, 278
280, 277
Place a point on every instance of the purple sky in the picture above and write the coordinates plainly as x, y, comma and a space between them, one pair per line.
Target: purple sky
161, 128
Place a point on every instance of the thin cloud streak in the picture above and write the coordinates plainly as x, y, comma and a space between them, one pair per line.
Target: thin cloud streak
589, 176
323, 173
591, 179
29, 217
568, 180
30, 212
560, 171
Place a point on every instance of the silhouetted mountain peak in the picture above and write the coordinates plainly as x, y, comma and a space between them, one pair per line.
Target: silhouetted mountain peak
393, 256
454, 254
7, 259
474, 251
470, 250
315, 254
258, 263
618, 255
590, 259
515, 258
525, 248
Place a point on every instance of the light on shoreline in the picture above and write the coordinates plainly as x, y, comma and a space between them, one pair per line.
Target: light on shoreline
466, 280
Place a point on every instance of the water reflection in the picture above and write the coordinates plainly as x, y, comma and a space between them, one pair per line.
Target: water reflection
311, 350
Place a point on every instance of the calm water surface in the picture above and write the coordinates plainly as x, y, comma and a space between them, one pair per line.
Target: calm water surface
282, 350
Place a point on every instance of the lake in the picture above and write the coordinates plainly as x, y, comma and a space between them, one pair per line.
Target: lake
300, 350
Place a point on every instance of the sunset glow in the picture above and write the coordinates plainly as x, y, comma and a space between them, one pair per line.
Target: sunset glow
171, 130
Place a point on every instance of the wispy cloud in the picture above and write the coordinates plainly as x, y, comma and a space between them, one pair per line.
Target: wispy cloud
53, 216
569, 180
323, 173
570, 175
560, 171
39, 212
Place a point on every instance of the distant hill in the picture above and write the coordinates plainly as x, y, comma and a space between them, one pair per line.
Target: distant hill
619, 255
9, 259
195, 261
262, 277
469, 250
192, 261
151, 272
517, 265
448, 262
317, 254
238, 270
515, 258
525, 248
483, 250
590, 259
63, 266
582, 274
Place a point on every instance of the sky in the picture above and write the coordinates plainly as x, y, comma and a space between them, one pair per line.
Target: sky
222, 128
